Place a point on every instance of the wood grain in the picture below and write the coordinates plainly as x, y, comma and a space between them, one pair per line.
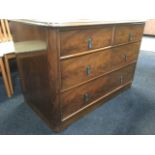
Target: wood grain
70, 78
74, 41
123, 55
74, 71
73, 100
123, 33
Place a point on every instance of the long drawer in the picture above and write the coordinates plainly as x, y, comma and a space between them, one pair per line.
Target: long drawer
75, 41
75, 99
128, 33
81, 69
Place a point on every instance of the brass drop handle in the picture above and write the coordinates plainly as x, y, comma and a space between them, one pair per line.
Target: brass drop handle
88, 70
130, 37
125, 57
121, 79
86, 97
90, 45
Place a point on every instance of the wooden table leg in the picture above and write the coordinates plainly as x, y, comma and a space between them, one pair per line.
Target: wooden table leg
7, 57
4, 76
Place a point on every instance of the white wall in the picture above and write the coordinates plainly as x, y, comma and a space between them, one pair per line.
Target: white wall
78, 9
148, 44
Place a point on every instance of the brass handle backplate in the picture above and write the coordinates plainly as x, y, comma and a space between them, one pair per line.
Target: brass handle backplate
121, 79
88, 70
131, 37
86, 97
90, 45
125, 57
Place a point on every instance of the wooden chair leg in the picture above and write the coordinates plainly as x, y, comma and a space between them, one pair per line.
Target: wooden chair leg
4, 76
8, 72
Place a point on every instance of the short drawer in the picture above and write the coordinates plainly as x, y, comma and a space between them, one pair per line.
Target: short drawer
125, 54
128, 33
83, 68
79, 97
75, 41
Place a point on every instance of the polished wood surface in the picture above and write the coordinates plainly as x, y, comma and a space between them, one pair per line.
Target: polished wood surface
90, 107
80, 68
72, 22
30, 32
54, 77
41, 93
128, 33
79, 97
77, 70
123, 55
74, 41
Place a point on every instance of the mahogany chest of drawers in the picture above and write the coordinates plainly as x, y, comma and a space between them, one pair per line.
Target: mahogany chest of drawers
68, 70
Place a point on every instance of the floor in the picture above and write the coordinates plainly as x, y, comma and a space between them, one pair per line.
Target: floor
132, 112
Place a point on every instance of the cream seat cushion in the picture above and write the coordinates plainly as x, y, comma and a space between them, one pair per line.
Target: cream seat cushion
6, 47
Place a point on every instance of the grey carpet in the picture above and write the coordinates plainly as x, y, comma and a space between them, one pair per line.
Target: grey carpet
132, 112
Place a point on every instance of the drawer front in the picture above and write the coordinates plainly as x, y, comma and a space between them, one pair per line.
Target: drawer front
83, 68
125, 54
73, 100
128, 33
74, 41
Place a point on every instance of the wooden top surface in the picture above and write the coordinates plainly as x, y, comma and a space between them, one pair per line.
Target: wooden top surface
73, 22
